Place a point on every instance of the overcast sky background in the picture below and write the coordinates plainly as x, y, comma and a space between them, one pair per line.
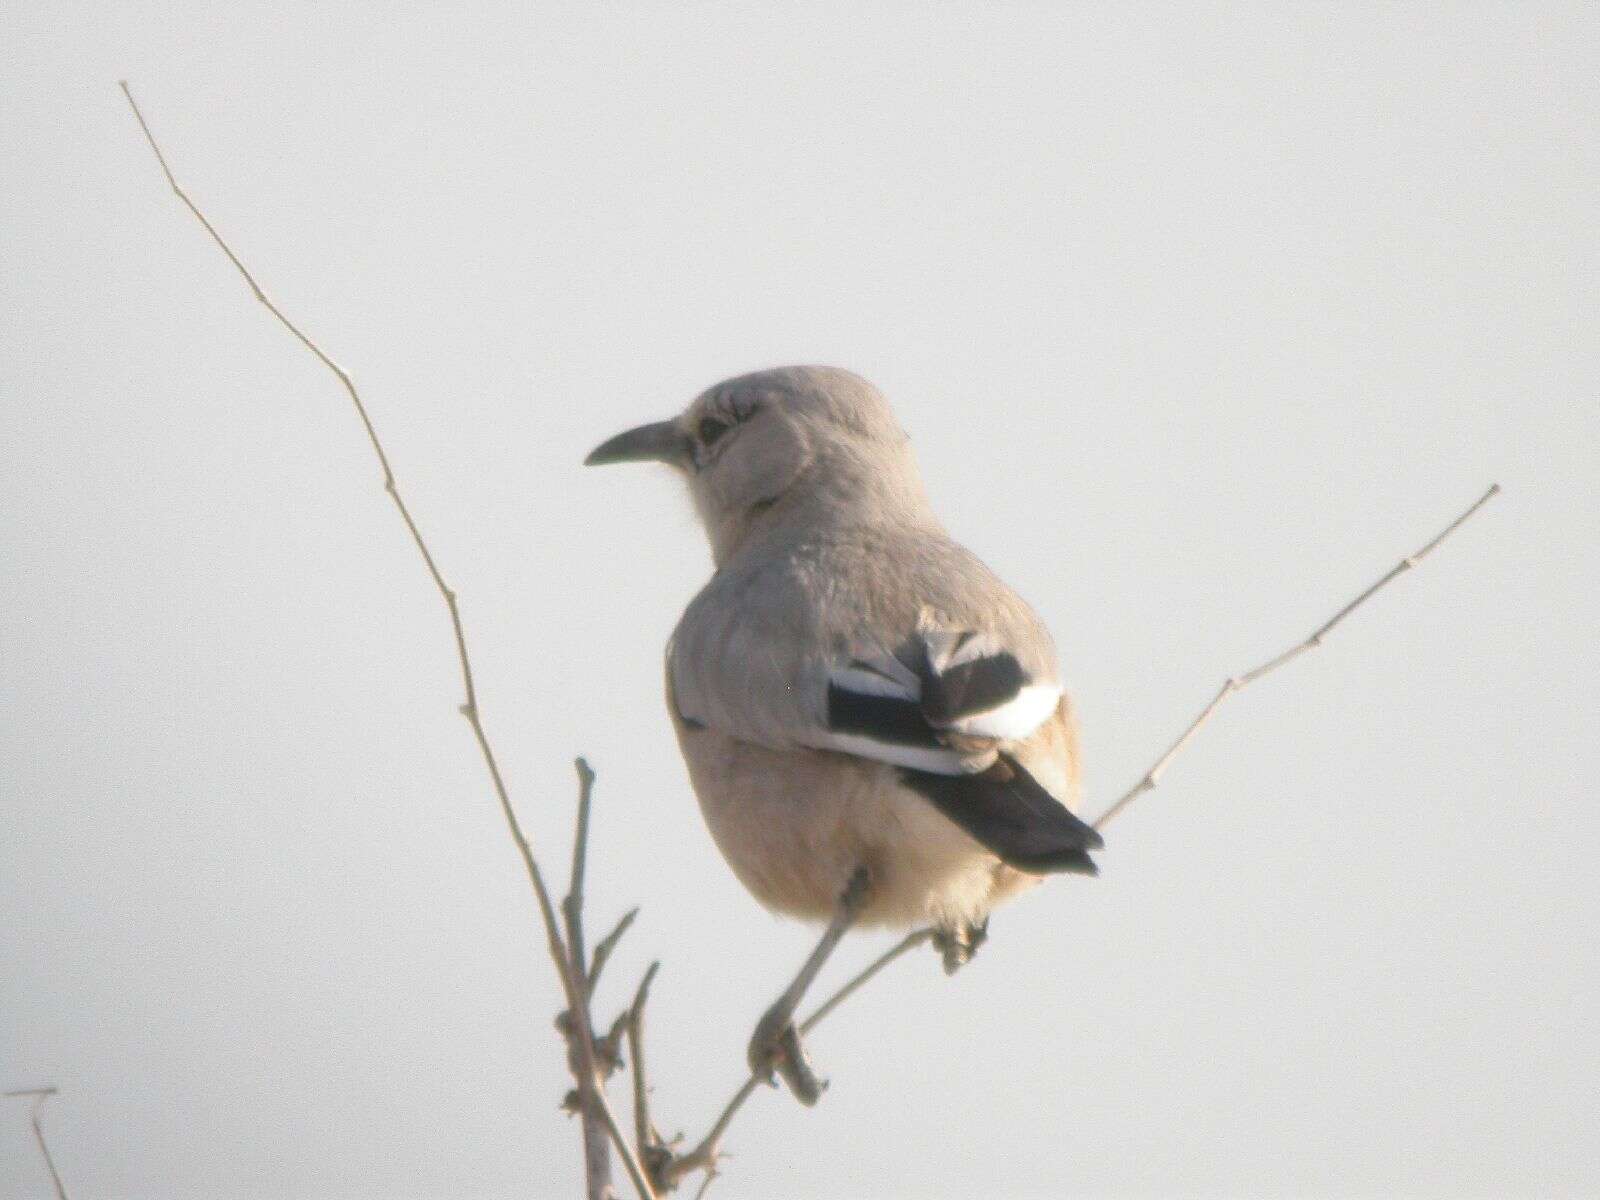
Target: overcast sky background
1200, 318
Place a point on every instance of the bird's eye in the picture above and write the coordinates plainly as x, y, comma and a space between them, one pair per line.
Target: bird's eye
711, 429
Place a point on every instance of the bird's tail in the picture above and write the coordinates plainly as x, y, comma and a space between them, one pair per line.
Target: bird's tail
1009, 811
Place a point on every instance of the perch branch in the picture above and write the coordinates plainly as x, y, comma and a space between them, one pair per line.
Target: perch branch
40, 1095
1239, 682
910, 942
704, 1156
572, 986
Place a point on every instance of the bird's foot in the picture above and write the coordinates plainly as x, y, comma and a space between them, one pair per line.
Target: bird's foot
957, 945
776, 1046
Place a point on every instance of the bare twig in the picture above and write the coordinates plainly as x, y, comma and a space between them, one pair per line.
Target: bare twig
40, 1095
652, 1153
603, 948
630, 1161
596, 1150
1239, 682
572, 906
572, 986
910, 942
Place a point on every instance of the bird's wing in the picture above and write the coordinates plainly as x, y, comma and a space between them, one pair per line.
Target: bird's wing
943, 701
920, 693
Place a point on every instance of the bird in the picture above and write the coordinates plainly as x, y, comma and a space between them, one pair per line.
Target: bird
874, 724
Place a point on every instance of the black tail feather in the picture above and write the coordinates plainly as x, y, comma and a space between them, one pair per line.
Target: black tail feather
1009, 811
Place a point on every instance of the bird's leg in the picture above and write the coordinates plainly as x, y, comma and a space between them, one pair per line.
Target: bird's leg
776, 1041
958, 943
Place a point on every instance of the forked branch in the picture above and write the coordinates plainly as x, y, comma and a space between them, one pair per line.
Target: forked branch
574, 983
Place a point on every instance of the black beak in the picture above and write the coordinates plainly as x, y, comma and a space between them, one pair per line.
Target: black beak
661, 442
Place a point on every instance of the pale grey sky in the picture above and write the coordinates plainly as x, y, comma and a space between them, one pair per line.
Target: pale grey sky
1200, 317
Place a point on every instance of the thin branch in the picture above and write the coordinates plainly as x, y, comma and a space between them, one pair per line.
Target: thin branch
630, 1161
646, 1140
40, 1095
910, 942
704, 1156
705, 1184
1239, 682
469, 708
572, 906
572, 987
596, 1151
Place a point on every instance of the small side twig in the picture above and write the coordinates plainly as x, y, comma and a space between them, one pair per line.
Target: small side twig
654, 1155
596, 1057
40, 1095
1239, 682
580, 1024
603, 948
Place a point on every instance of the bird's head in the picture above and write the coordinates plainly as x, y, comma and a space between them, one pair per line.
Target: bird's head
806, 443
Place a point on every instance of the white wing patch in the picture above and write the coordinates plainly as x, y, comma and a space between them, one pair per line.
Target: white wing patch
1016, 718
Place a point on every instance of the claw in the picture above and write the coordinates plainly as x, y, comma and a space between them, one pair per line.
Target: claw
780, 1050
957, 945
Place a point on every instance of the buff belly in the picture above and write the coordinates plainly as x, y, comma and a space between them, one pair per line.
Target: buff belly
796, 824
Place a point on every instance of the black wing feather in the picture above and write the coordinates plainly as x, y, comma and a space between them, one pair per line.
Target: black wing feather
969, 687
946, 697
885, 718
